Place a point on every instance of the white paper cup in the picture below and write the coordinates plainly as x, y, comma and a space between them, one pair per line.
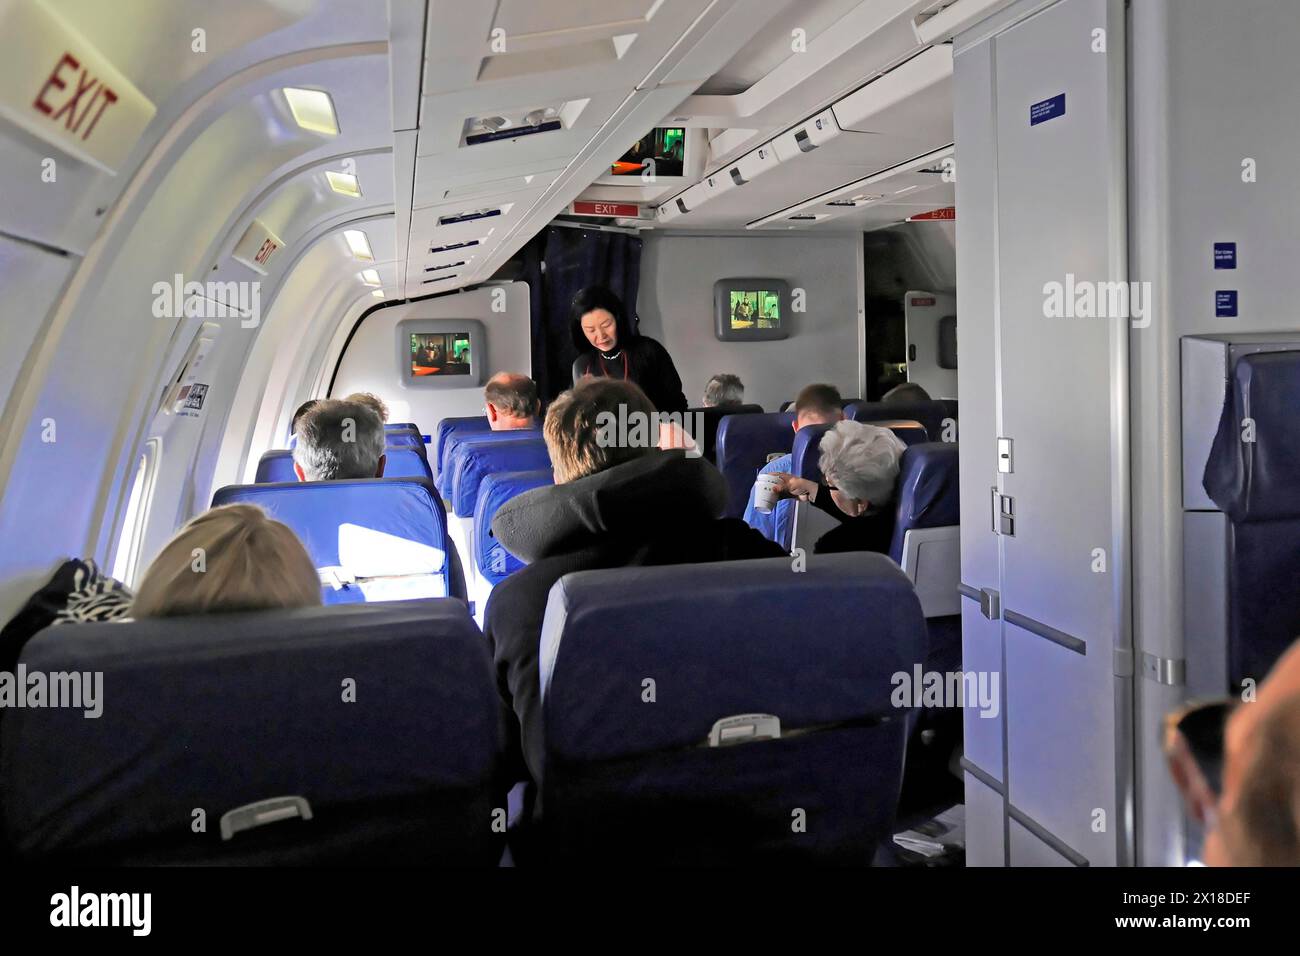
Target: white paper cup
766, 492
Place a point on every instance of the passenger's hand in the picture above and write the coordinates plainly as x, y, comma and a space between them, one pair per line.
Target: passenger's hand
795, 487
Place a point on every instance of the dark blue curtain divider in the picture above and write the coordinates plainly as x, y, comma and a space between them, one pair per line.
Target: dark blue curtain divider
557, 263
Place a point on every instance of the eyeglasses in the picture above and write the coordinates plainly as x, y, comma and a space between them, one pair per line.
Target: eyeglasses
1194, 738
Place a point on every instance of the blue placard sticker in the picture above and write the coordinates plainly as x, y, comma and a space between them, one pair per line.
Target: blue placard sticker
1047, 109
1225, 255
1225, 304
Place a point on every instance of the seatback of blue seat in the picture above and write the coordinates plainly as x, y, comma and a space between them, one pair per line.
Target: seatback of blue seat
458, 440
1255, 481
406, 462
275, 465
391, 530
743, 445
491, 559
401, 427
706, 420
220, 711
930, 414
474, 461
629, 780
407, 437
928, 494
451, 426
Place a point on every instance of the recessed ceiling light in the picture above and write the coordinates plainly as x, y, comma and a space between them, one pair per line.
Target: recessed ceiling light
359, 244
370, 277
345, 184
378, 293
313, 110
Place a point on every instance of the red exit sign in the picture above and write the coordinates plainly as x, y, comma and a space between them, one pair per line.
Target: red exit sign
620, 210
948, 212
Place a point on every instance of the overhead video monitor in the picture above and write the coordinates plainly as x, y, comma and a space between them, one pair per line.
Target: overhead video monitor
440, 353
751, 309
661, 152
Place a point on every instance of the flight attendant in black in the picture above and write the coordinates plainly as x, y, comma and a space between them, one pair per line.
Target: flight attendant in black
609, 346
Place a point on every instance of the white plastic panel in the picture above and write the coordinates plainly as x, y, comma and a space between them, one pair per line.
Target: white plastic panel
1026, 849
32, 279
984, 843
981, 653
368, 364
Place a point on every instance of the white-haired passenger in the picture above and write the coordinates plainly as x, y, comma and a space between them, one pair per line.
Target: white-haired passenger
859, 464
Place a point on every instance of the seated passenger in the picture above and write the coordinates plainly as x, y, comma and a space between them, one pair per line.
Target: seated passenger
859, 464
232, 558
338, 440
1254, 819
617, 501
303, 409
511, 402
814, 405
724, 389
372, 400
905, 393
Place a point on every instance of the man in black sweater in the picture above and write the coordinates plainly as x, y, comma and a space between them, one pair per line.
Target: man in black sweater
618, 501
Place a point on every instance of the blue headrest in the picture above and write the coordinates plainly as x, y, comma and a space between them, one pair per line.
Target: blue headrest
406, 462
806, 451
706, 421
472, 461
401, 427
459, 438
221, 710
1258, 480
743, 444
391, 530
275, 465
400, 461
491, 558
930, 414
450, 426
808, 440
407, 438
717, 639
928, 491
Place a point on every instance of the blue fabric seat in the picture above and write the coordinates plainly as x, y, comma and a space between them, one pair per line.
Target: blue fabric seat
743, 444
1256, 484
627, 779
387, 537
708, 419
220, 711
401, 461
459, 438
492, 561
930, 414
472, 461
451, 426
409, 437
929, 491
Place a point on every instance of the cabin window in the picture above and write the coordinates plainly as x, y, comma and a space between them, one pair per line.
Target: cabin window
127, 556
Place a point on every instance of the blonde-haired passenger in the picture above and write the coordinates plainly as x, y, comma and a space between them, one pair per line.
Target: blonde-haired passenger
232, 558
371, 400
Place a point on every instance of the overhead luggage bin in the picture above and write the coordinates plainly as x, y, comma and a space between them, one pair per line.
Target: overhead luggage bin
893, 102
811, 134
